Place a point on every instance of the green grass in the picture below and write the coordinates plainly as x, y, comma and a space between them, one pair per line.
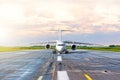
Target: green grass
114, 49
9, 49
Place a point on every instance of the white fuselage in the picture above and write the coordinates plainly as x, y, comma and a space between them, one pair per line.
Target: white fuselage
60, 46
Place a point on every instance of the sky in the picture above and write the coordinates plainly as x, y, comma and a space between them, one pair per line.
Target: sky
23, 22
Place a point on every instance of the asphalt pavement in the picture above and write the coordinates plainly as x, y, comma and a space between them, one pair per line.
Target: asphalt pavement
43, 65
89, 65
24, 65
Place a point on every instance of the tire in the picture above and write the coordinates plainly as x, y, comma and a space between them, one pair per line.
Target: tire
66, 52
54, 52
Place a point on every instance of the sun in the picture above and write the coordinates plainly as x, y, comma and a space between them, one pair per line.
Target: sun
4, 34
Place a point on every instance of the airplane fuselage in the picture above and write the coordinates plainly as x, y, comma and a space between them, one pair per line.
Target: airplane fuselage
60, 46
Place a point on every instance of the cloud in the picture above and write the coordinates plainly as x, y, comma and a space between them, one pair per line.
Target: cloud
37, 17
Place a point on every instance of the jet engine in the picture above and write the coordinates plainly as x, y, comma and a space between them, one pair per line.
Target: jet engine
73, 47
47, 46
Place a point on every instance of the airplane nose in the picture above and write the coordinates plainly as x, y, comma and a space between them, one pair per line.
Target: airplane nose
61, 49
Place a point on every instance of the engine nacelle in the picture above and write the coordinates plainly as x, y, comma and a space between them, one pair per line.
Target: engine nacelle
73, 47
47, 46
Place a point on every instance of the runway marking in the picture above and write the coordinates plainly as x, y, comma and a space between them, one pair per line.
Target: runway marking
87, 77
62, 75
59, 58
40, 78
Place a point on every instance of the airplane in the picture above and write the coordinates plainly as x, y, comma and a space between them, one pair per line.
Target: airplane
60, 45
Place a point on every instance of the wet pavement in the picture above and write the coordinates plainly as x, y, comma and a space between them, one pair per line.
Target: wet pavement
43, 65
24, 65
90, 65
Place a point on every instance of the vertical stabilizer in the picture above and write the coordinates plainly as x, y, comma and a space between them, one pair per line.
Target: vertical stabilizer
60, 33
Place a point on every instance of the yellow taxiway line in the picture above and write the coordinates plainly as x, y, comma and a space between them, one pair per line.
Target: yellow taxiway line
87, 77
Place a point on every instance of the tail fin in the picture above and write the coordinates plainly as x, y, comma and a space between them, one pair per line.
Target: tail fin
61, 31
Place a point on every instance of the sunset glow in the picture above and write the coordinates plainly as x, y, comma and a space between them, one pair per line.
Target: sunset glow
31, 18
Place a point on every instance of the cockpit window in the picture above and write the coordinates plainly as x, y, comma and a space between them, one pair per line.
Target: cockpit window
61, 45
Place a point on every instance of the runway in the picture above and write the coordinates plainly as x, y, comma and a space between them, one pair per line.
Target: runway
90, 65
43, 65
25, 65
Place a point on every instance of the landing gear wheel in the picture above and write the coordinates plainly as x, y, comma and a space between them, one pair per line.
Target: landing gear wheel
66, 52
54, 52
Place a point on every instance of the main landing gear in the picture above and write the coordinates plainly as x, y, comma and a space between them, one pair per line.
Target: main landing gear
55, 52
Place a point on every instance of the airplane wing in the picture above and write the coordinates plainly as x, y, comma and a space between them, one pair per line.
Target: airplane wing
46, 42
74, 42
